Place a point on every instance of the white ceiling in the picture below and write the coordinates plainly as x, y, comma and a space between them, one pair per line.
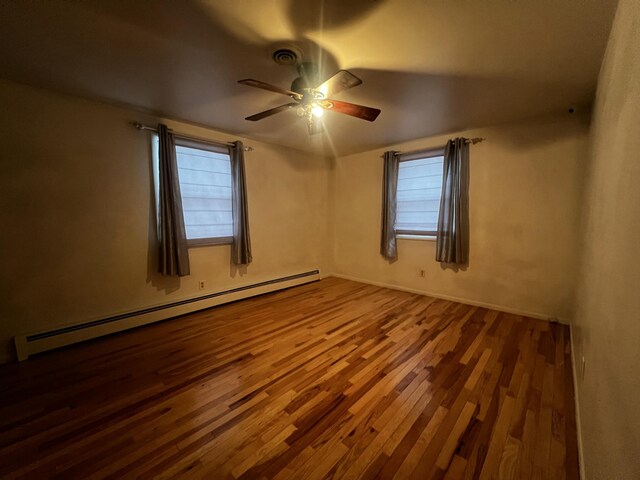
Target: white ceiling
431, 66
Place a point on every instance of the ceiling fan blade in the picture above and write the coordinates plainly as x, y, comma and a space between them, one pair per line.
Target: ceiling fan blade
343, 80
359, 111
272, 88
271, 111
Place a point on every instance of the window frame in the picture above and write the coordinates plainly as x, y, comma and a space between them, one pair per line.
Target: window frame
210, 147
419, 155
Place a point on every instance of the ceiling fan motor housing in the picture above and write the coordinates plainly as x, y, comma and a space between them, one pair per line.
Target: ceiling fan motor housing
309, 77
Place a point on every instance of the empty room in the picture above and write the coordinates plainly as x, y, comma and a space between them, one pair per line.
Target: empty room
315, 239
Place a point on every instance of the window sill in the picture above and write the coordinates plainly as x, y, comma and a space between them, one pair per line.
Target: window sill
209, 242
428, 238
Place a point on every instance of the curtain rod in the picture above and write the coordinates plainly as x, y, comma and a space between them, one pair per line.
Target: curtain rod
142, 126
472, 141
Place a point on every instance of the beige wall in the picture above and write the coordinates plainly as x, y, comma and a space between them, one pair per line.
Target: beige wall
606, 328
77, 228
78, 240
524, 210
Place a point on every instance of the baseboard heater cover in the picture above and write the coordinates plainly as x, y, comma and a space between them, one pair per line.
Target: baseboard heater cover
32, 343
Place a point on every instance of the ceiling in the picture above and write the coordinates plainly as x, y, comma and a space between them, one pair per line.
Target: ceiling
431, 66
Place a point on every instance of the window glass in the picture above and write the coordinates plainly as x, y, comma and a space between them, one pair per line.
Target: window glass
418, 195
205, 186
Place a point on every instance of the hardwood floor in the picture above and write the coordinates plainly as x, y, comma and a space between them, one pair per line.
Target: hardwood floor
334, 379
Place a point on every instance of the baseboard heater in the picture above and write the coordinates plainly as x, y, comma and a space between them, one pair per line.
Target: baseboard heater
37, 342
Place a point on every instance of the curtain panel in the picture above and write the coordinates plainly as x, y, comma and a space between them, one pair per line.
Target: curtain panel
452, 242
388, 247
241, 246
174, 256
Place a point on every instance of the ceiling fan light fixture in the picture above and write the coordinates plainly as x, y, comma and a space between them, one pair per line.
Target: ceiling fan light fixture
317, 111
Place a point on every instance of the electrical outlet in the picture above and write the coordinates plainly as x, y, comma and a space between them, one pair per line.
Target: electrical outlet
201, 285
421, 273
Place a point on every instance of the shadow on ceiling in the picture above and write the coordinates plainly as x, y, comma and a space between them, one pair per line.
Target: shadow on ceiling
178, 60
327, 14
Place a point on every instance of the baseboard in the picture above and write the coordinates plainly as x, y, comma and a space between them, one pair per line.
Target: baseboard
36, 342
576, 398
466, 301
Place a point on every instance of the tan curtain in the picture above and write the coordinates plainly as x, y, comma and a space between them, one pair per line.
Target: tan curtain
241, 246
388, 247
452, 243
174, 256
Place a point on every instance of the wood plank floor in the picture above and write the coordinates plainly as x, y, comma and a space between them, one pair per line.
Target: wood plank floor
334, 379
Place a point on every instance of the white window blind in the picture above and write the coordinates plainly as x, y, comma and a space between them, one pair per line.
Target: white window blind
205, 186
418, 195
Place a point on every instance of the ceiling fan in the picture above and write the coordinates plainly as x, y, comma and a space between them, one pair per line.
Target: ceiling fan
311, 99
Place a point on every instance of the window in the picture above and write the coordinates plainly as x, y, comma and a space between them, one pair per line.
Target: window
204, 172
418, 194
